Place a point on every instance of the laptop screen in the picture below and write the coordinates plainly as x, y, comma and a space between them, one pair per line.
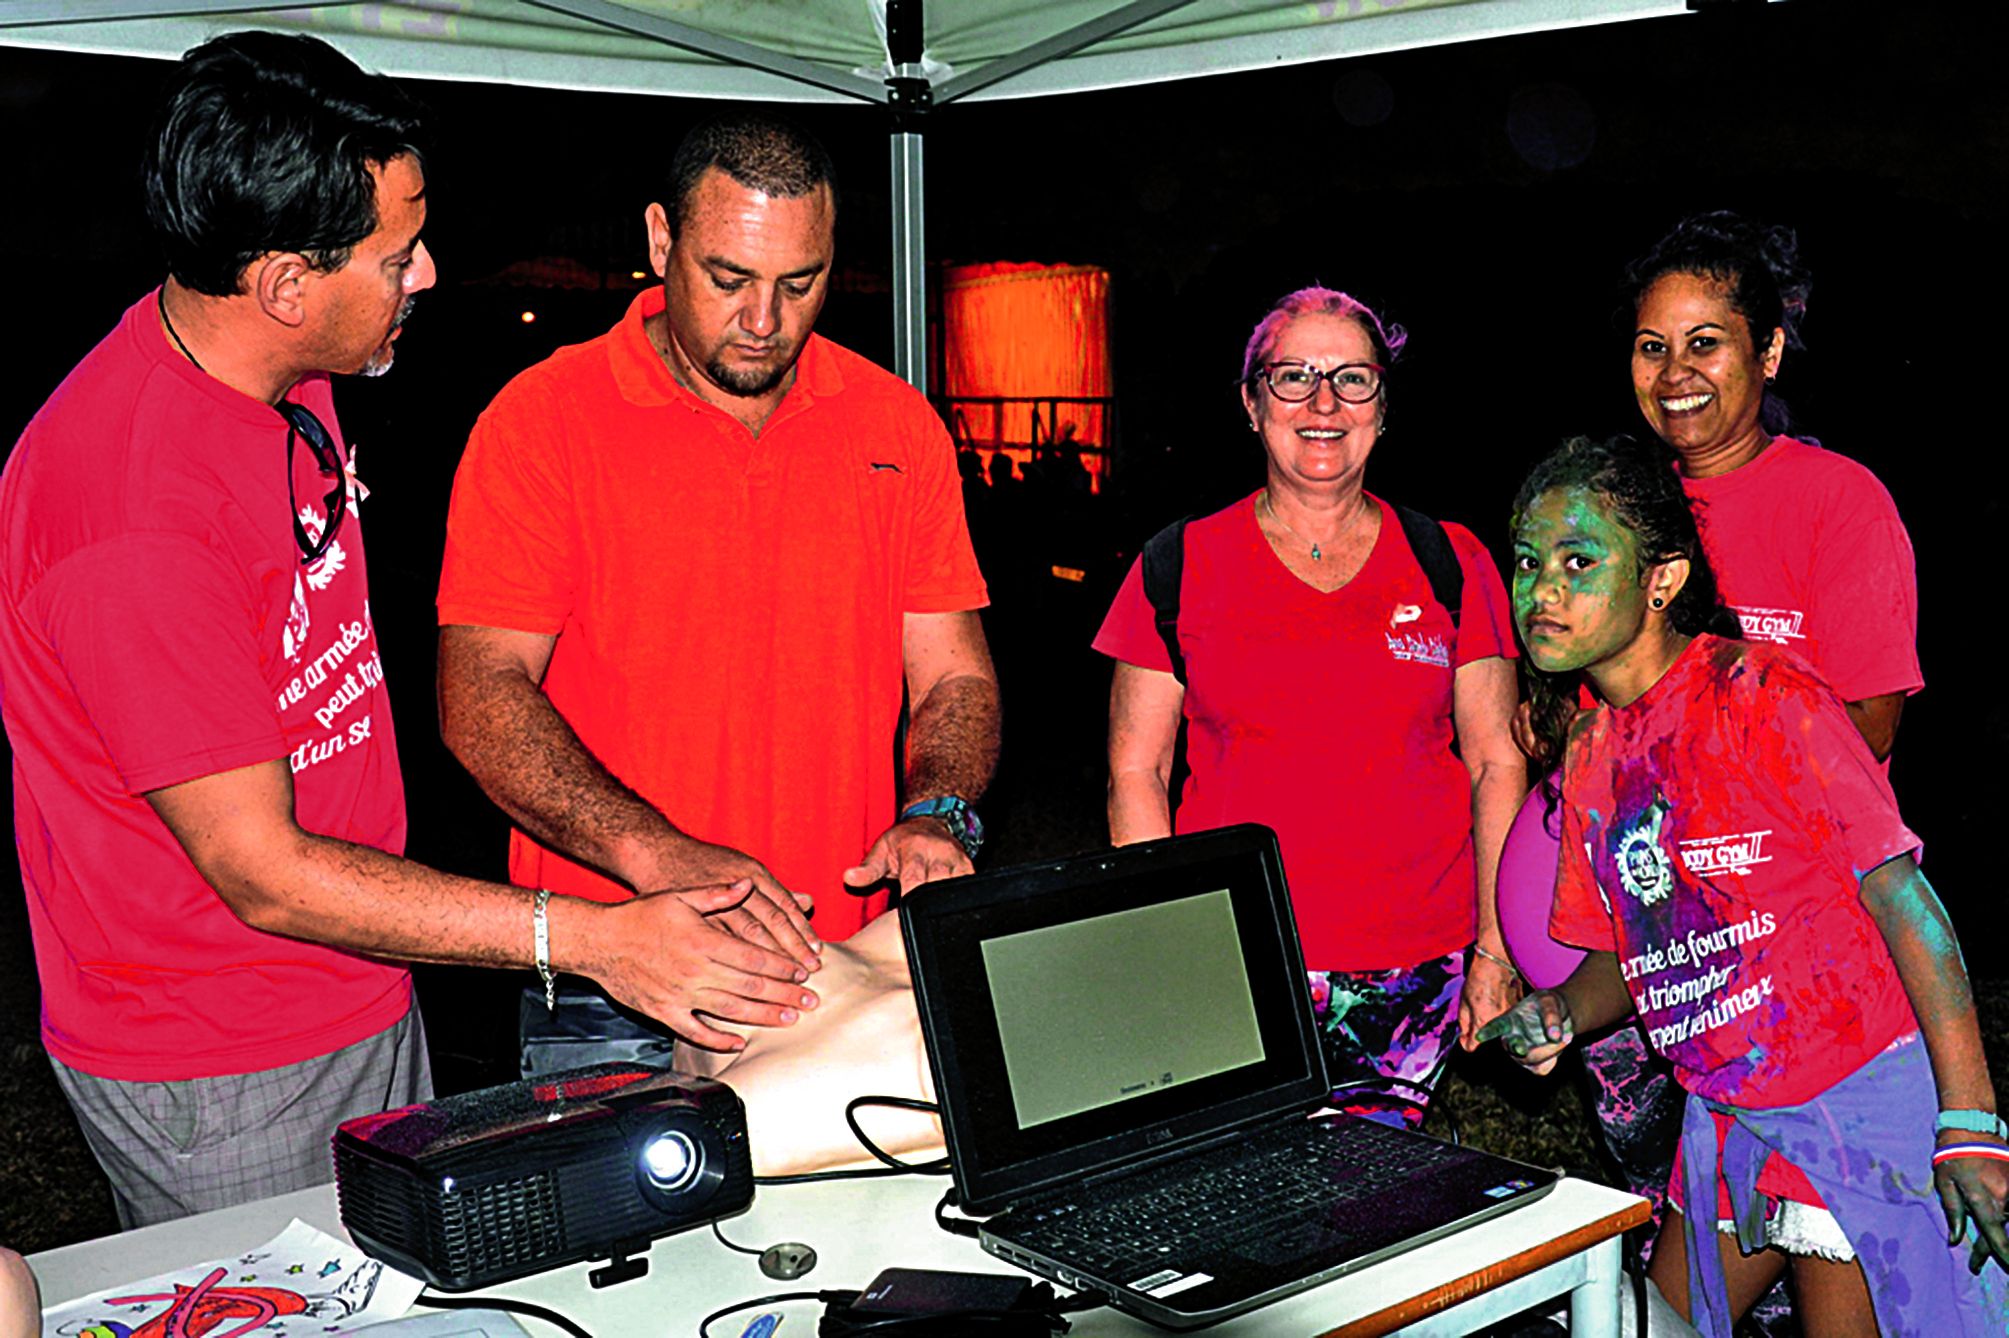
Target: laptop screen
1088, 968
1086, 1013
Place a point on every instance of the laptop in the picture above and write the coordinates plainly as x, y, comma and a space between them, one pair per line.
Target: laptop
1123, 1049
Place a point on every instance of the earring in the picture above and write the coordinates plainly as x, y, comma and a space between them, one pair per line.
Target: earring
1659, 603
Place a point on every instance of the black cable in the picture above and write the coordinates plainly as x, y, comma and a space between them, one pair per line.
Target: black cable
812, 1177
893, 1165
743, 1249
839, 1297
955, 1226
544, 1313
1038, 1310
939, 1166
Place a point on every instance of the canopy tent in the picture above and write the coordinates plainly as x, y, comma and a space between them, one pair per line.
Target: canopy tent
888, 52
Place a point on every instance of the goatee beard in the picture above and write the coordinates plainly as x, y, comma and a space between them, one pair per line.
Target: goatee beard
747, 384
380, 361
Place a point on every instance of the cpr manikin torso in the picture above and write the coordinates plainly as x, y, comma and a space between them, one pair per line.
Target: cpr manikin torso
864, 1040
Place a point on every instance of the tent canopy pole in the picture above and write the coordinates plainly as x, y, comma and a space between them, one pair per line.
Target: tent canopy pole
909, 98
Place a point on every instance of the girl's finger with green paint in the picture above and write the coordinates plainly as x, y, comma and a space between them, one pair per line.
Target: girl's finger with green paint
1538, 1023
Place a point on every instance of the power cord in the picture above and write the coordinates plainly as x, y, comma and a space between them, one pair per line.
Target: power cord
892, 1165
955, 1226
829, 1297
940, 1166
742, 1249
544, 1313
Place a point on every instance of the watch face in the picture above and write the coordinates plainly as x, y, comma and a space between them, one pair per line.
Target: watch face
968, 828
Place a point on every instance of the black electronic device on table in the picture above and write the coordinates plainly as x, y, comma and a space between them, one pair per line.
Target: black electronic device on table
590, 1163
1125, 1054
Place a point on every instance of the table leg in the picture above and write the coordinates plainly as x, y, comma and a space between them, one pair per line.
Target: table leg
1594, 1302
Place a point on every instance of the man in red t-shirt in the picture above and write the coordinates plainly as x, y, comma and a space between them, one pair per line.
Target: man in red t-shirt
207, 801
690, 566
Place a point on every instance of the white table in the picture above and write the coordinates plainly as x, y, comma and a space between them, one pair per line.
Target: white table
1564, 1245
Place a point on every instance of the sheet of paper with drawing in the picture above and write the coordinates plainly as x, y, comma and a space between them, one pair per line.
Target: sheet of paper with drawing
301, 1282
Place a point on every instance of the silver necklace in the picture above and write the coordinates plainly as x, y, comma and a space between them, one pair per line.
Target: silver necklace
1317, 554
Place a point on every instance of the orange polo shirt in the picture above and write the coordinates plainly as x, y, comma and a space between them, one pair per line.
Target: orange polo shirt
727, 608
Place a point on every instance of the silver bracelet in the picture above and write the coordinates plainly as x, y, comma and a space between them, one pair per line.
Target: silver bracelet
1498, 961
540, 924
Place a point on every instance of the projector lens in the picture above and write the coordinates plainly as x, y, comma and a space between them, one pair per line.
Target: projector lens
670, 1159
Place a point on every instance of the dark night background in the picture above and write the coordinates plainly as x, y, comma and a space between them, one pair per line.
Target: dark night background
1484, 196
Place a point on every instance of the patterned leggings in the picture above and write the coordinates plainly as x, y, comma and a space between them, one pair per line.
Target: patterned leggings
1386, 1034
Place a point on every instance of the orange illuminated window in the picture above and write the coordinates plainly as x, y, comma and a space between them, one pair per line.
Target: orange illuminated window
1025, 360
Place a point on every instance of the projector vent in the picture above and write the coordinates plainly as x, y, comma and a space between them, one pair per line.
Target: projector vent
503, 1225
476, 1231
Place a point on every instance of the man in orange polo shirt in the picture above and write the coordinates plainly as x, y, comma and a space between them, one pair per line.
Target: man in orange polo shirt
690, 566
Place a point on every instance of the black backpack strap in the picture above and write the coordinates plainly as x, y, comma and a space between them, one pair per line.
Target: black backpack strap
1435, 555
1164, 570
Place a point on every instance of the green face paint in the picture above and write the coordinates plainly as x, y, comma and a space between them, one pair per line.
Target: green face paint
1578, 600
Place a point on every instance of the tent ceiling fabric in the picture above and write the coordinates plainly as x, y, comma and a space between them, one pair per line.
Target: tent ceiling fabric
820, 51
520, 42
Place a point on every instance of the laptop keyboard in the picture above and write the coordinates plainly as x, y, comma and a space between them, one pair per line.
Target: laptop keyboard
1219, 1199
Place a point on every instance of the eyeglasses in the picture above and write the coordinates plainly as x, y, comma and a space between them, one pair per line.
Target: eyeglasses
1295, 382
302, 424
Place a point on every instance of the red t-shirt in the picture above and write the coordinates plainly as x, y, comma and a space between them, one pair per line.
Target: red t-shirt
1715, 836
1809, 550
1328, 717
156, 626
728, 608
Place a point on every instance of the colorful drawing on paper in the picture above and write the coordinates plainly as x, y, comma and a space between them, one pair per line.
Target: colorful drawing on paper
303, 1283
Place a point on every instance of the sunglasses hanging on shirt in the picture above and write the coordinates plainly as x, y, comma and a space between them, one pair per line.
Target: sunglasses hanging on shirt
301, 424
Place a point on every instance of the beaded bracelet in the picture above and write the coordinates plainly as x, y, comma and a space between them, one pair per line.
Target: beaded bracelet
1988, 1151
1498, 961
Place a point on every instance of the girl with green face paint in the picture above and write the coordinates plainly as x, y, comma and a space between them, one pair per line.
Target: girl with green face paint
1601, 532
1586, 598
1735, 862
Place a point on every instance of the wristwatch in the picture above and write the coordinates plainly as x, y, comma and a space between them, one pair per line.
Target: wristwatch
955, 814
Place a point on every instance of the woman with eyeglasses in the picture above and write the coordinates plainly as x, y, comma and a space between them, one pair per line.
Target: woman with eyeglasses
1328, 691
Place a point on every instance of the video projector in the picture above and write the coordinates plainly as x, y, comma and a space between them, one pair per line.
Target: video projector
588, 1163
